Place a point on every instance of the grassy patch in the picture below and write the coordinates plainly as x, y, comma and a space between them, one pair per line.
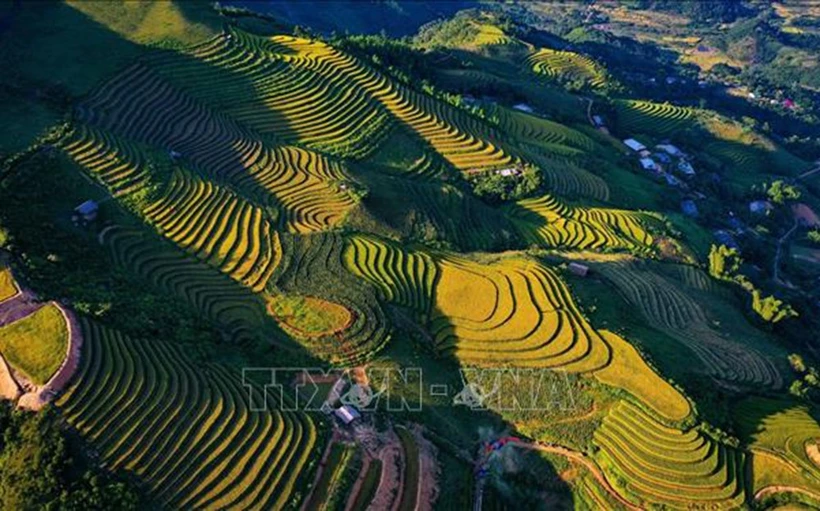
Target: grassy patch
782, 427
307, 316
609, 310
36, 345
154, 22
7, 287
629, 371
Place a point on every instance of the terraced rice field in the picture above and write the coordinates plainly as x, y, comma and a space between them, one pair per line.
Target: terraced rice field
218, 227
662, 466
254, 167
405, 278
678, 314
542, 134
7, 286
657, 119
217, 297
119, 164
565, 178
548, 222
491, 35
370, 484
313, 262
300, 183
458, 216
568, 66
308, 92
525, 317
335, 466
737, 155
785, 428
629, 371
409, 494
36, 345
185, 430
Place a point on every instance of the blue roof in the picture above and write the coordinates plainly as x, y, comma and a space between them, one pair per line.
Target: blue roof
689, 207
87, 207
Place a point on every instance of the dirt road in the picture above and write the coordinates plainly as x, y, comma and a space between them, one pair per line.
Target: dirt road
584, 460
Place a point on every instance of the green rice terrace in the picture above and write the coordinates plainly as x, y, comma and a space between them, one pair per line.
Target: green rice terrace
577, 301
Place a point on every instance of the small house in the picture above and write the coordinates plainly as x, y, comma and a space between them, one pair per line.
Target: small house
523, 107
689, 208
649, 164
669, 148
87, 211
634, 145
347, 414
672, 180
760, 207
686, 168
579, 269
508, 172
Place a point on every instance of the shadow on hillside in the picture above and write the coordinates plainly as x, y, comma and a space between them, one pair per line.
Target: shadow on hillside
464, 429
394, 18
51, 54
752, 413
67, 263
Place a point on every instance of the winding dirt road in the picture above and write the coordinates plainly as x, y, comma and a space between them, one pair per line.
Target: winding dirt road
774, 489
590, 465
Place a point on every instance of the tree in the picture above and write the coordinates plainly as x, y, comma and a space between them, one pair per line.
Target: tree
724, 262
38, 472
770, 308
797, 363
780, 192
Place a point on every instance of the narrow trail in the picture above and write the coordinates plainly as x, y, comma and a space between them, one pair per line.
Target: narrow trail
571, 454
774, 489
19, 306
809, 172
776, 268
587, 415
44, 394
589, 110
590, 465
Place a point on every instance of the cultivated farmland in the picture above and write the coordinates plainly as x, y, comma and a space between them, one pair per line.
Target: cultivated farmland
547, 221
187, 431
653, 118
568, 66
666, 466
36, 344
262, 196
